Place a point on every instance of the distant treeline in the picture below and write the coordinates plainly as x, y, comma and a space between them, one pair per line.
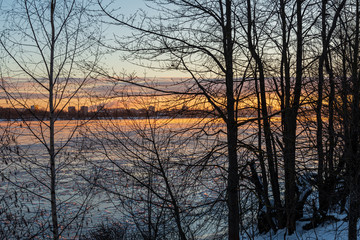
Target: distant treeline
40, 114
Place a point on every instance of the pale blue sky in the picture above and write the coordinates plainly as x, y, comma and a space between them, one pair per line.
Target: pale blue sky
115, 61
128, 8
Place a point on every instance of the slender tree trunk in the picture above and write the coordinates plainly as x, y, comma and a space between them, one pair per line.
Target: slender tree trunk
330, 170
289, 167
326, 173
262, 188
149, 206
265, 116
261, 155
319, 131
232, 131
54, 217
354, 136
344, 160
331, 123
289, 135
170, 191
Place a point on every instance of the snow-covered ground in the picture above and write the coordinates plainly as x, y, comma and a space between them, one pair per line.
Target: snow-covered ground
327, 231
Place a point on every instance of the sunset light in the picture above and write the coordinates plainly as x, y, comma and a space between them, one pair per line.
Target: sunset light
179, 119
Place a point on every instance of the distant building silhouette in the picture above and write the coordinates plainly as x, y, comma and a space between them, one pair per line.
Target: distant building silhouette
84, 110
71, 110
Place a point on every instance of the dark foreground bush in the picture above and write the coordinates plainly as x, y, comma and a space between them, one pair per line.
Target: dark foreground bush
106, 232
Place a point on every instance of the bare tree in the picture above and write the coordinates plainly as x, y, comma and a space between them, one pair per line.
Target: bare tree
198, 39
227, 46
46, 45
155, 175
326, 170
350, 23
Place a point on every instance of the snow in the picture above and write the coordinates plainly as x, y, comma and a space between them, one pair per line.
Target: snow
328, 230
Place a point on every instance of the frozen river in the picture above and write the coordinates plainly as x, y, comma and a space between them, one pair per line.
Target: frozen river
141, 174
102, 169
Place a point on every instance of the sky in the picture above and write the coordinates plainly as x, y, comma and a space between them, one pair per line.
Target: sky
113, 62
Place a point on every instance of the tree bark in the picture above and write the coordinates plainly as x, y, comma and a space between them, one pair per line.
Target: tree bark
354, 135
265, 118
54, 217
233, 176
289, 134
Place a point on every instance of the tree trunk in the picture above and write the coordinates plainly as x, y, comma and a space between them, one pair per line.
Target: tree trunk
232, 131
354, 137
266, 122
319, 125
54, 217
289, 134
